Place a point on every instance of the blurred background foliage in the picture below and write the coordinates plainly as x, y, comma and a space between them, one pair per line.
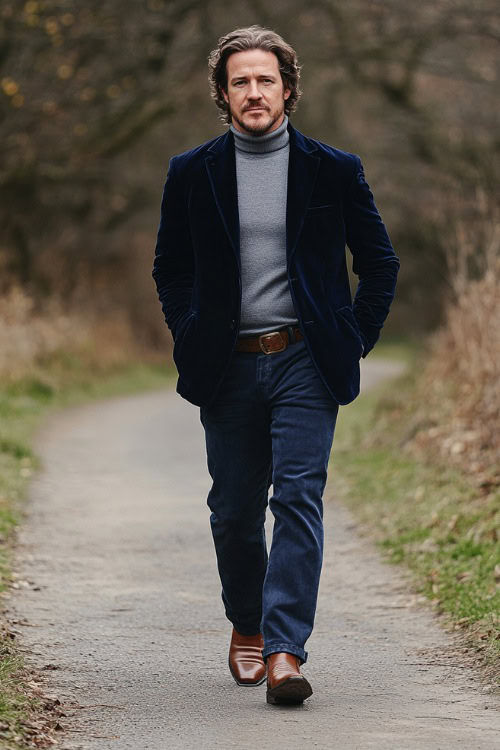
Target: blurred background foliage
96, 96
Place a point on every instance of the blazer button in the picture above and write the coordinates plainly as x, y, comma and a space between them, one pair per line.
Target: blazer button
232, 324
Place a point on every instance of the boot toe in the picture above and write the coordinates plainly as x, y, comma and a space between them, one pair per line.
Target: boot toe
245, 659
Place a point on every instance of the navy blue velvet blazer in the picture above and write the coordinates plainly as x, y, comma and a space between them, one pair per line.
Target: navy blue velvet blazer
197, 264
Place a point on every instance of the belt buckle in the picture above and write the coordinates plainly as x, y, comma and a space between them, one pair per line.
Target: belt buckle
271, 335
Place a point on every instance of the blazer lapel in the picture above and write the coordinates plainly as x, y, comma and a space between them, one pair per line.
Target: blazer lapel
302, 173
221, 168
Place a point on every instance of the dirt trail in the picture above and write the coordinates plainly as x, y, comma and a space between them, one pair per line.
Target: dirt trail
124, 599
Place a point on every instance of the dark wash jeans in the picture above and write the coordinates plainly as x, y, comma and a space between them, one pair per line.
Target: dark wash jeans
271, 422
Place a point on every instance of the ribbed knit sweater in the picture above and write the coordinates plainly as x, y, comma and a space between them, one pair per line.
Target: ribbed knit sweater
262, 172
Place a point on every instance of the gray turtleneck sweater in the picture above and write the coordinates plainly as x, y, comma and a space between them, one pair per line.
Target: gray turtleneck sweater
261, 173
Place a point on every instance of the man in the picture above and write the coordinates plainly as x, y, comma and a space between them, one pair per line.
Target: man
251, 272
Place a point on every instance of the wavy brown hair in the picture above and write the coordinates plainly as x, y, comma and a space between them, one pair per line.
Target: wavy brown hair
253, 37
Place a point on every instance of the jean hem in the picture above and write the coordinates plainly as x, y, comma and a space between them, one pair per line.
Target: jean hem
289, 648
245, 629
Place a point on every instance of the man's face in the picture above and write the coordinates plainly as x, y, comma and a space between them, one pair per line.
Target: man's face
255, 91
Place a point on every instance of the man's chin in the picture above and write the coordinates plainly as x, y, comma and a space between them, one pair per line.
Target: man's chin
257, 126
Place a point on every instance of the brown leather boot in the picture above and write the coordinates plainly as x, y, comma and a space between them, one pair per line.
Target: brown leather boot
245, 659
285, 683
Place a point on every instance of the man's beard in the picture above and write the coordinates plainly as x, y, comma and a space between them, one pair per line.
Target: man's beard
257, 129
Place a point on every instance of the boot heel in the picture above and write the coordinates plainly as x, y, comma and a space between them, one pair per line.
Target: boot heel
285, 683
290, 692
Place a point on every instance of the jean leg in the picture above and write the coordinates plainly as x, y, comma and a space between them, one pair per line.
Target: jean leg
302, 428
239, 459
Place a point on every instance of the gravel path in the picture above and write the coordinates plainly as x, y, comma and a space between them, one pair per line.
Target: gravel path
123, 599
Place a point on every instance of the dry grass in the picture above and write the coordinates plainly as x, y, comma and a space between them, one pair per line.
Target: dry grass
27, 338
458, 391
33, 341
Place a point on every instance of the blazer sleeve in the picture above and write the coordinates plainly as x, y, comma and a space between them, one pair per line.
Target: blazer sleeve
374, 260
173, 267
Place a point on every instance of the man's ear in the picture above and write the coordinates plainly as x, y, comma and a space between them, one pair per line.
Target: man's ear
287, 93
224, 94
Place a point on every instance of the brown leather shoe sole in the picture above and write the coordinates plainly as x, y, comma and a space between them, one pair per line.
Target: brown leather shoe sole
293, 690
245, 684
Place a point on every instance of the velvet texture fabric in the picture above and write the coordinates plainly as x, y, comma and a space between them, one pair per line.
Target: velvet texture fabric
197, 264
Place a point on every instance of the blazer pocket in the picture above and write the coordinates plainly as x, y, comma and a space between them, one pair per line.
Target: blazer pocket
328, 209
347, 314
183, 323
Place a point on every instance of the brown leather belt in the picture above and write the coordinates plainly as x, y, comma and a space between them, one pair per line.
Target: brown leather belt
269, 343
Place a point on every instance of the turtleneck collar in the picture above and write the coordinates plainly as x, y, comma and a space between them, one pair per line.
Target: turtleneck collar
261, 144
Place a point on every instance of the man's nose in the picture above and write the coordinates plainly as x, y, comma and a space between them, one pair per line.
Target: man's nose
253, 91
